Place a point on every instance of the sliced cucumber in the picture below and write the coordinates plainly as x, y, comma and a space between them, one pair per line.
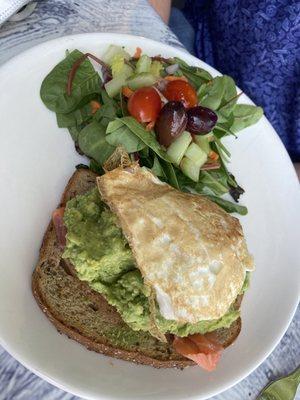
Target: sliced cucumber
156, 68
113, 51
203, 141
141, 80
190, 169
114, 86
177, 149
120, 68
196, 154
143, 64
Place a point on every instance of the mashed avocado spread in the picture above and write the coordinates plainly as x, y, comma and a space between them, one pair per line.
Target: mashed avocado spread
102, 257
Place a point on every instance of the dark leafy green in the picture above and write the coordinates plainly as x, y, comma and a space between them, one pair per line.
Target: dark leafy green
53, 90
97, 135
212, 182
196, 75
187, 185
170, 173
74, 118
218, 92
117, 133
228, 205
92, 142
244, 116
96, 167
74, 132
157, 168
148, 137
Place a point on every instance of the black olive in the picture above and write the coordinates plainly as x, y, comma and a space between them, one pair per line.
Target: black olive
171, 122
201, 120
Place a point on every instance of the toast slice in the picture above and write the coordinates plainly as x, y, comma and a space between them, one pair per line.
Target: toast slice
85, 316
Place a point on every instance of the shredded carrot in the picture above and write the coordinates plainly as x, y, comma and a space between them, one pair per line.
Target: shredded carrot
213, 155
95, 105
137, 53
126, 91
175, 78
150, 126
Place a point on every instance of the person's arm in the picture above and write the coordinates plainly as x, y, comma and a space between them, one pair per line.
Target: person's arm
163, 8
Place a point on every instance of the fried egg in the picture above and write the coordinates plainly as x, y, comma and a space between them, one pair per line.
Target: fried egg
189, 251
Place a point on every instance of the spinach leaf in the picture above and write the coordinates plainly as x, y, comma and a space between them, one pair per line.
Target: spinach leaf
114, 125
144, 153
224, 128
117, 133
73, 118
230, 94
92, 141
212, 182
53, 90
108, 101
95, 167
187, 185
74, 132
148, 137
170, 174
105, 111
157, 168
210, 94
196, 75
220, 92
228, 205
245, 115
221, 149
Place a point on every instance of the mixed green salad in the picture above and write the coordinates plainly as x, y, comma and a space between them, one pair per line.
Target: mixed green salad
169, 116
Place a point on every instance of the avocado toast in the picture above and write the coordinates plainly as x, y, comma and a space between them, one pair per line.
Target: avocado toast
83, 314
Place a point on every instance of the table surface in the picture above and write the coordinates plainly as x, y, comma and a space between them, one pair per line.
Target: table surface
54, 18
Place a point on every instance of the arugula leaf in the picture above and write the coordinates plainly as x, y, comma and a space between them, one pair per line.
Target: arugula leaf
117, 133
228, 205
245, 115
148, 137
92, 141
53, 90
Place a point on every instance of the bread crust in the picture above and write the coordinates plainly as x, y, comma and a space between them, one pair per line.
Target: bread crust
51, 253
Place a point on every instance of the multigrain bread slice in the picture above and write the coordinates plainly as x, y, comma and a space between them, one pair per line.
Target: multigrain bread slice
85, 316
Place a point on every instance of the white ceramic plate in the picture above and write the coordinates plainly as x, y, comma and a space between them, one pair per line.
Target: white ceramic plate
36, 160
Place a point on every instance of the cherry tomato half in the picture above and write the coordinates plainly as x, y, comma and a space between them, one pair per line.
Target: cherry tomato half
181, 91
144, 104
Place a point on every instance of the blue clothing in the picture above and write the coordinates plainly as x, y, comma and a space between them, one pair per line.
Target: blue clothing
257, 42
183, 29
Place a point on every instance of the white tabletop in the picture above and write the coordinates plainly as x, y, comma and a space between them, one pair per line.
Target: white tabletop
54, 18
